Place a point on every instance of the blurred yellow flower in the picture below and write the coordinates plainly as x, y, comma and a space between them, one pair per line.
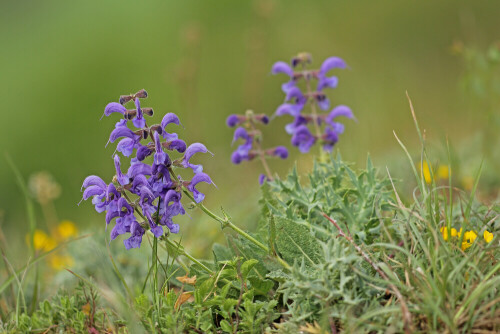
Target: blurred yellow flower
426, 171
468, 182
59, 262
487, 236
67, 229
469, 238
42, 241
444, 232
443, 172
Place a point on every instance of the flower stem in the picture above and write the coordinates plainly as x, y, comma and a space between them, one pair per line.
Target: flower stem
314, 117
170, 242
261, 153
183, 252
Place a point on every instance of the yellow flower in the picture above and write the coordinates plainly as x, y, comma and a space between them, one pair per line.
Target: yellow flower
59, 262
487, 236
444, 232
426, 171
42, 241
67, 229
443, 172
468, 182
469, 238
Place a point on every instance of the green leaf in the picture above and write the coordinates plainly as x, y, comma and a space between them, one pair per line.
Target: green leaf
246, 267
295, 242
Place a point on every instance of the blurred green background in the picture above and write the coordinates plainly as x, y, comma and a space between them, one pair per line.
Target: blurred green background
61, 62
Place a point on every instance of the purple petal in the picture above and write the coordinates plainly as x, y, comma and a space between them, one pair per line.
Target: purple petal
160, 157
236, 158
139, 168
303, 139
190, 151
122, 179
289, 109
282, 67
339, 111
240, 133
296, 93
327, 82
262, 178
114, 107
121, 131
126, 146
323, 102
168, 119
143, 152
330, 63
177, 144
200, 177
232, 120
93, 180
281, 152
92, 191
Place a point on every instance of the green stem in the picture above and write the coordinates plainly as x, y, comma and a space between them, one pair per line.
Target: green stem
193, 259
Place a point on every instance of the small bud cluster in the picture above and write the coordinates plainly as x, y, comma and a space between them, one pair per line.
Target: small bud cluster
252, 147
154, 186
296, 100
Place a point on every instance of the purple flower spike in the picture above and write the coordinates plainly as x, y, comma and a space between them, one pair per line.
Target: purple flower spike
139, 121
160, 157
200, 177
280, 151
331, 63
282, 67
190, 151
114, 107
122, 179
303, 139
232, 120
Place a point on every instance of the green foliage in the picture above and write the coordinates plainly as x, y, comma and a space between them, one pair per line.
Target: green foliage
75, 312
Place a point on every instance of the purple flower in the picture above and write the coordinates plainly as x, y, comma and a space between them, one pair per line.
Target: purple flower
169, 119
327, 82
200, 177
139, 121
96, 187
279, 151
292, 127
233, 120
290, 109
190, 151
339, 111
303, 139
330, 138
143, 152
263, 178
122, 179
135, 240
331, 63
114, 107
282, 67
160, 157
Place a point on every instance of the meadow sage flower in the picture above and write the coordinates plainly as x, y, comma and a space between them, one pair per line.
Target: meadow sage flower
296, 99
156, 194
251, 136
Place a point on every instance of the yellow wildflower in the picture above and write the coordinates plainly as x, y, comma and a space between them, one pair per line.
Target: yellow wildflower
426, 171
469, 238
59, 262
468, 182
42, 241
487, 236
444, 232
443, 172
67, 229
